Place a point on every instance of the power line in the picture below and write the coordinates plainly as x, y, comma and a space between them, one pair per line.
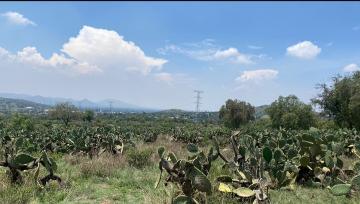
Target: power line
198, 97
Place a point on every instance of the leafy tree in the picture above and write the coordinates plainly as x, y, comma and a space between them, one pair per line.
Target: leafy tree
64, 112
289, 112
89, 115
235, 113
341, 100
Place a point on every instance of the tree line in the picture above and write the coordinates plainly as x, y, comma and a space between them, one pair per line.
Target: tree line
339, 105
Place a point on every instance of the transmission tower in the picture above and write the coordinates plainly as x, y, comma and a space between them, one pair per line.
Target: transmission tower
198, 97
110, 106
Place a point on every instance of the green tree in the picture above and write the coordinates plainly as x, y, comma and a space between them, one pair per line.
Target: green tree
64, 112
341, 100
88, 115
235, 113
289, 112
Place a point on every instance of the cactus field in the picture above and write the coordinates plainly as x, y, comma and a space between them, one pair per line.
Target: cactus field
112, 161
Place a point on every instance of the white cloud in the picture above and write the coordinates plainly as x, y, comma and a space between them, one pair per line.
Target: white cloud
355, 28
233, 55
165, 77
93, 50
223, 54
17, 18
254, 47
30, 57
304, 50
257, 75
206, 50
351, 68
107, 49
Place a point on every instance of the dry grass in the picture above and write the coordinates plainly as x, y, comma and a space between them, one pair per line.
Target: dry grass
179, 149
103, 166
73, 159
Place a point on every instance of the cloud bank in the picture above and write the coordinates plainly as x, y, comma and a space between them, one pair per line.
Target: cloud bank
92, 50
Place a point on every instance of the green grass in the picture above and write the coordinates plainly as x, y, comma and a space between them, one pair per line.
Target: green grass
310, 195
125, 184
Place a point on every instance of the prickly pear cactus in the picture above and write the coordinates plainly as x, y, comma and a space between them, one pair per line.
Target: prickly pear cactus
340, 189
190, 175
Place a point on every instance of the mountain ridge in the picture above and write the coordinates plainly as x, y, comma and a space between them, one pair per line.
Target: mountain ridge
20, 105
106, 104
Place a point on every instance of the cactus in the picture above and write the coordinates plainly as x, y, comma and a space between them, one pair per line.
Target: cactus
249, 169
161, 151
21, 161
243, 192
225, 188
267, 154
240, 191
192, 148
172, 157
278, 155
182, 199
199, 180
51, 167
190, 174
340, 189
224, 178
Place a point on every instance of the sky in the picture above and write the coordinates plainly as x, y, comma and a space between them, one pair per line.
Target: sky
155, 54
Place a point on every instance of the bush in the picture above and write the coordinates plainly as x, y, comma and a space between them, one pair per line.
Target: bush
139, 158
326, 124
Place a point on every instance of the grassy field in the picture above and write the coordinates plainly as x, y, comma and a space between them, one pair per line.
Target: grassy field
109, 179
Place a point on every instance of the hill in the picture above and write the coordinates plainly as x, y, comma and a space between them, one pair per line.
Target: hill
8, 105
260, 111
104, 105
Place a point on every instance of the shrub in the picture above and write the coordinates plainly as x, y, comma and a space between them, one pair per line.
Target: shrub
139, 158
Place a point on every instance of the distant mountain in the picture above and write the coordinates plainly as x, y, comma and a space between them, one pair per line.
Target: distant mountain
117, 104
260, 111
37, 99
8, 105
104, 105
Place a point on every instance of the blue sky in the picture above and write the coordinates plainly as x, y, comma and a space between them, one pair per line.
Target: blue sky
155, 54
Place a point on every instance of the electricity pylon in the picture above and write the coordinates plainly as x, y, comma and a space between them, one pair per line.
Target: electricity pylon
198, 97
